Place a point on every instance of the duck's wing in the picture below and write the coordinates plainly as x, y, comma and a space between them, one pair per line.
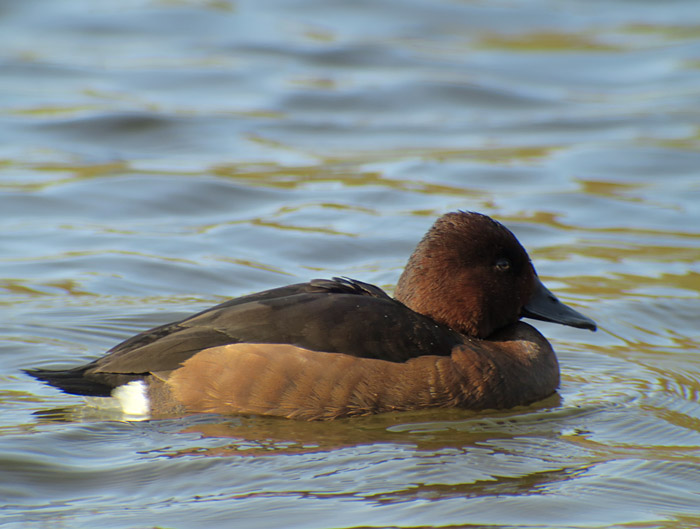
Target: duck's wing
201, 334
338, 315
157, 333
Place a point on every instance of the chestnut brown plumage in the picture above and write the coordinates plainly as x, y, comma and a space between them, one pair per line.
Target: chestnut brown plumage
337, 348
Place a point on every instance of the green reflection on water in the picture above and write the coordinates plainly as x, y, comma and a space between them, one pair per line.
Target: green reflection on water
216, 5
52, 110
341, 169
546, 42
284, 177
671, 32
689, 143
77, 171
328, 205
494, 155
255, 265
618, 251
630, 286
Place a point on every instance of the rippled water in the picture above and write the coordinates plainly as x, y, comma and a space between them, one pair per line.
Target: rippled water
157, 157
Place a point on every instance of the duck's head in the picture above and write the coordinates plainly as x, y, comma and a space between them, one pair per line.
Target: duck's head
470, 272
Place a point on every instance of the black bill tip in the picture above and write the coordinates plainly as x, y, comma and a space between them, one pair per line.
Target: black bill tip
545, 306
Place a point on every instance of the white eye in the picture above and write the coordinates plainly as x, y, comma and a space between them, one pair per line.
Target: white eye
503, 265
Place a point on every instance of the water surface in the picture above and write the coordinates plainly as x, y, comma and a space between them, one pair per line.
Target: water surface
158, 157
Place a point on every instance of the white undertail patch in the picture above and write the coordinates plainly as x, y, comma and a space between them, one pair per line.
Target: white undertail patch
133, 399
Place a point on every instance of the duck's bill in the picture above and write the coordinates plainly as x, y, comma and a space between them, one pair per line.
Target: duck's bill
545, 306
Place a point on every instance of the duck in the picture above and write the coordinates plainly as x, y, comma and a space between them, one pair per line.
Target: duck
451, 337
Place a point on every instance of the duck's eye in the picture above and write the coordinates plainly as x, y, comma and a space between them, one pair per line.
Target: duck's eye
503, 265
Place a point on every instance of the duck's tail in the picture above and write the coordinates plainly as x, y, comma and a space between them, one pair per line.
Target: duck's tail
76, 382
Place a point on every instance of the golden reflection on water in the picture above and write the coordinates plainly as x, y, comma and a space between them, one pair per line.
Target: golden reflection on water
331, 169
616, 252
336, 171
486, 154
255, 264
610, 451
44, 288
79, 172
422, 430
